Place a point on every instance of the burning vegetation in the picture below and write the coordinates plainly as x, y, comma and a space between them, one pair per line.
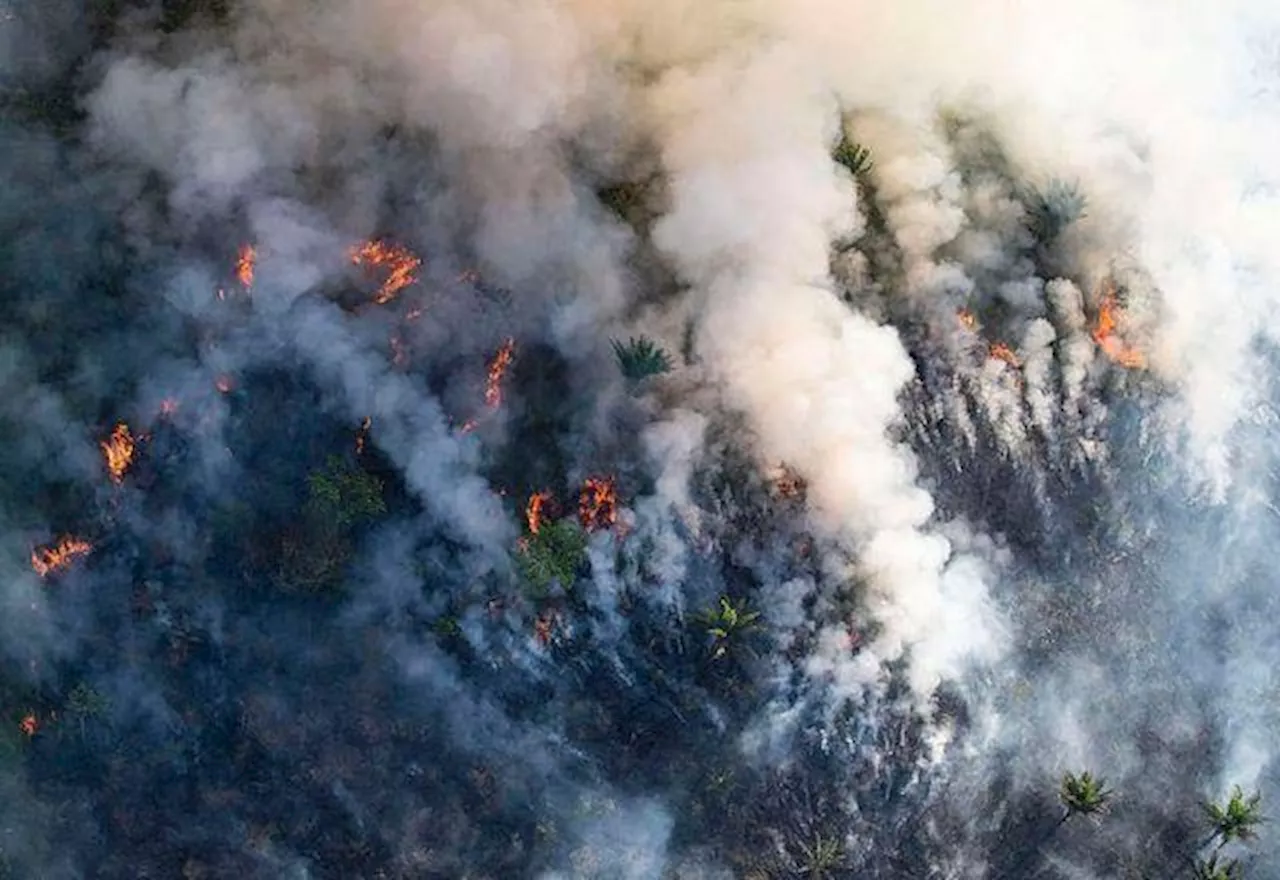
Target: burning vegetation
246, 265
118, 451
497, 372
393, 662
1001, 352
399, 265
1106, 330
538, 507
57, 557
598, 504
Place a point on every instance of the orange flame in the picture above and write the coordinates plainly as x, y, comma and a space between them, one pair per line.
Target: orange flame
968, 320
598, 503
534, 509
1104, 333
28, 725
401, 263
468, 426
46, 560
363, 433
118, 451
246, 262
497, 371
1002, 352
225, 384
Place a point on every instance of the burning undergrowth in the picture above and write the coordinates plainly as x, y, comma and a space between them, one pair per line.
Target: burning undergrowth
436, 451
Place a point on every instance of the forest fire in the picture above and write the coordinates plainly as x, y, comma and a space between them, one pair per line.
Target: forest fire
1104, 332
47, 560
598, 503
363, 434
401, 263
168, 407
118, 451
967, 319
246, 263
497, 372
1001, 352
29, 725
225, 384
535, 509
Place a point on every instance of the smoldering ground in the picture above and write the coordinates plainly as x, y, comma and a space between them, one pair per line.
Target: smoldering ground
635, 440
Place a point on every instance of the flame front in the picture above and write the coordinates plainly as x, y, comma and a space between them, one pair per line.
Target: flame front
968, 320
246, 262
533, 511
497, 371
401, 262
363, 434
1105, 335
46, 560
118, 451
29, 725
598, 503
1001, 352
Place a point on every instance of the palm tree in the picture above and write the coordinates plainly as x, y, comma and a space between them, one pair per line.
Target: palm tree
1238, 819
1083, 795
1054, 208
853, 156
727, 622
1212, 869
639, 358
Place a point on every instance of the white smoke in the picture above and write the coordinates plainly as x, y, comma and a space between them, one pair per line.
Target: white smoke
1162, 115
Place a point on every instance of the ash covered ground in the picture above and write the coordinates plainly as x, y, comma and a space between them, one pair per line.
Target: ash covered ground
603, 439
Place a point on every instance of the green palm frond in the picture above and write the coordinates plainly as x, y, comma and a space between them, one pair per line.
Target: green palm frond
1083, 795
1055, 208
1213, 869
1238, 818
853, 156
727, 621
639, 358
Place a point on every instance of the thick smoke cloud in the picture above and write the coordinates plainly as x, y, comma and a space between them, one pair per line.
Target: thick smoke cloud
951, 473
